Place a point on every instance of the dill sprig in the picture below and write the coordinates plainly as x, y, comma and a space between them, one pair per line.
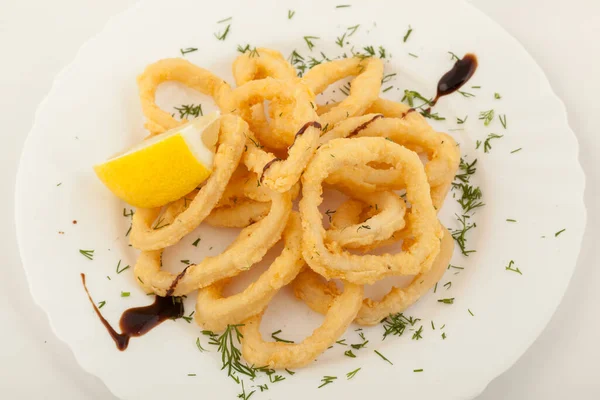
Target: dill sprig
352, 29
291, 14
160, 224
383, 357
340, 40
461, 121
428, 114
101, 304
351, 374
459, 234
189, 109
349, 353
466, 94
230, 354
243, 395
559, 232
387, 78
509, 267
298, 62
188, 318
396, 324
187, 50
223, 35
470, 198
89, 254
247, 49
467, 170
487, 146
327, 380
199, 345
497, 96
407, 34
382, 52
278, 339
417, 335
309, 41
453, 56
411, 95
263, 387
502, 118
369, 50
119, 269
486, 116
359, 346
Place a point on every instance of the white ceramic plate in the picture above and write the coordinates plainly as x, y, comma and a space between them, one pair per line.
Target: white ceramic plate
93, 111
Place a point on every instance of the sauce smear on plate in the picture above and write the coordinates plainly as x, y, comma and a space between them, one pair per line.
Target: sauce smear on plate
138, 321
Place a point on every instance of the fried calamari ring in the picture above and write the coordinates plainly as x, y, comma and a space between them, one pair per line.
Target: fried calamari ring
180, 70
293, 95
407, 129
230, 147
253, 242
364, 88
339, 316
336, 263
214, 312
388, 218
274, 172
259, 64
244, 213
318, 295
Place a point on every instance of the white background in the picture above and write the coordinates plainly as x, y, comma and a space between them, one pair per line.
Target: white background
38, 38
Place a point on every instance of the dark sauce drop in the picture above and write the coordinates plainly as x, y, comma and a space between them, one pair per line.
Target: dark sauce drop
300, 132
453, 80
138, 321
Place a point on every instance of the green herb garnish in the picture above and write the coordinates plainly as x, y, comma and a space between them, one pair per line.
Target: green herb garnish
278, 339
327, 380
384, 357
223, 35
309, 41
407, 34
89, 254
486, 117
188, 50
119, 266
351, 374
509, 267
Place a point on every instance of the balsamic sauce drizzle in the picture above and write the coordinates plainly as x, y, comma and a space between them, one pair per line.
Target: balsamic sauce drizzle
453, 80
307, 125
138, 321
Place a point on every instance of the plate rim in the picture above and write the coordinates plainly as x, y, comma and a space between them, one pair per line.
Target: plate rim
503, 367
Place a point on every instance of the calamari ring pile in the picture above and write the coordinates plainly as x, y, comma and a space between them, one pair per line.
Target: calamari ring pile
365, 148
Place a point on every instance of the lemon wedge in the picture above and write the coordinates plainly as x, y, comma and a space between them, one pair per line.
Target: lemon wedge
165, 167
